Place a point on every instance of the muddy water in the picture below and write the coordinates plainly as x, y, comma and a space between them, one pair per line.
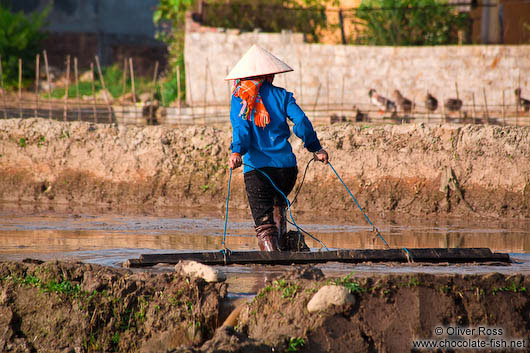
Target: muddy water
111, 239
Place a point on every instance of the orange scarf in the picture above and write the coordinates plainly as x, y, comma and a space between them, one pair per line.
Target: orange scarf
248, 91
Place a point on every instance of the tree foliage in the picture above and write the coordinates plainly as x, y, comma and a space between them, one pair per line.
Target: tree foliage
307, 16
21, 37
170, 18
410, 22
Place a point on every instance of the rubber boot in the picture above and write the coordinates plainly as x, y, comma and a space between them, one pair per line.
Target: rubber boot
280, 220
267, 235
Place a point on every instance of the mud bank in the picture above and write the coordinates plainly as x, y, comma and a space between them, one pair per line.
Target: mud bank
74, 307
415, 169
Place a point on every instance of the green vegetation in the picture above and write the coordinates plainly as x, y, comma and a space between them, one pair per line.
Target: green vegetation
512, 287
113, 76
22, 142
295, 343
41, 141
410, 22
21, 37
347, 282
112, 315
306, 16
62, 287
170, 17
288, 290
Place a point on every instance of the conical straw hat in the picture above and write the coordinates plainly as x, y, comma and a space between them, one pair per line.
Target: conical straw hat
257, 62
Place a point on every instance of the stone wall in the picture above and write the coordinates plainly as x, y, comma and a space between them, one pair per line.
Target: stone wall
338, 73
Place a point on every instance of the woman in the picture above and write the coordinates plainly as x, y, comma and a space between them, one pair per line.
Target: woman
259, 112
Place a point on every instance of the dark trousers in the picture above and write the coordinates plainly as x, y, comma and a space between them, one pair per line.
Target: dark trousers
262, 196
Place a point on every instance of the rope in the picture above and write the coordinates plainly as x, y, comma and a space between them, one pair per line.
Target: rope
374, 228
408, 255
226, 216
302, 182
288, 205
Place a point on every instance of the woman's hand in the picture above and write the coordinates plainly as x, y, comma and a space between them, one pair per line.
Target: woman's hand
235, 161
322, 156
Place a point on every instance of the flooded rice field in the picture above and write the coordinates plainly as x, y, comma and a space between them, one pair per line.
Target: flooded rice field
112, 239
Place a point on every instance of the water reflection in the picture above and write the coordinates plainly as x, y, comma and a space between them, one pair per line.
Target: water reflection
77, 233
112, 239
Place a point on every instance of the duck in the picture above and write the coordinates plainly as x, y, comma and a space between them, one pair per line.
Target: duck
385, 104
403, 103
431, 103
453, 104
523, 102
359, 115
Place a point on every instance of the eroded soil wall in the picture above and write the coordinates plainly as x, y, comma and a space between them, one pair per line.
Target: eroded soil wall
74, 307
415, 169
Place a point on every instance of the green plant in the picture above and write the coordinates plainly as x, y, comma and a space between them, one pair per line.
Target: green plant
113, 77
295, 343
64, 287
410, 22
169, 91
115, 338
347, 282
21, 37
288, 290
169, 17
306, 16
22, 142
414, 282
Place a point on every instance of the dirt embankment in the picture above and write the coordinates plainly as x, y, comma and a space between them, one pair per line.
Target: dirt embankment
74, 307
415, 169
67, 307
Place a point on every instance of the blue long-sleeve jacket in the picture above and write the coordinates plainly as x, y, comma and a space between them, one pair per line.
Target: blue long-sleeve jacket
269, 146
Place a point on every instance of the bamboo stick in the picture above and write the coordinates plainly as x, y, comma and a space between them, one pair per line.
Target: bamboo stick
228, 88
124, 89
76, 74
189, 91
205, 92
2, 88
93, 92
503, 110
300, 82
327, 91
155, 74
214, 95
443, 109
162, 95
342, 97
474, 108
105, 92
65, 111
133, 88
316, 99
179, 101
517, 106
458, 97
37, 74
19, 88
486, 113
49, 88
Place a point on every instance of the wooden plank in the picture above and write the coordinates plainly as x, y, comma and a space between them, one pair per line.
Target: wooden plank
430, 255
